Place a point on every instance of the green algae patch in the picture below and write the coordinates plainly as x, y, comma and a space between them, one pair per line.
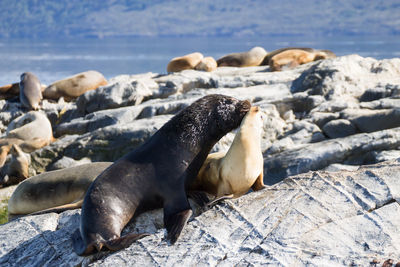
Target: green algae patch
3, 212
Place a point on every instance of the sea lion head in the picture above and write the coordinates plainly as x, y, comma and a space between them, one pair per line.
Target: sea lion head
324, 54
253, 120
258, 51
26, 75
228, 111
208, 119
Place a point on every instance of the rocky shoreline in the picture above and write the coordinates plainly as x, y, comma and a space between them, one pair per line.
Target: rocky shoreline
335, 115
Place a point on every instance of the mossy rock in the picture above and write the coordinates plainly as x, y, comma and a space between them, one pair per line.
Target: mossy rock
3, 212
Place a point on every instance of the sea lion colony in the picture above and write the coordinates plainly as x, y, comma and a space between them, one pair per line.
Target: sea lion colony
288, 57
177, 211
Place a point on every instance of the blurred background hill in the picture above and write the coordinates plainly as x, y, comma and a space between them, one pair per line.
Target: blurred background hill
37, 19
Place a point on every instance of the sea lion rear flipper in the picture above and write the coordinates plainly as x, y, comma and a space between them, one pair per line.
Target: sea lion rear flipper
124, 241
59, 209
259, 183
175, 223
79, 245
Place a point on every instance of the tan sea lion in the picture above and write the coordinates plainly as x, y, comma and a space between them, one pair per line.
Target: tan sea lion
245, 59
3, 154
285, 55
207, 64
74, 86
155, 175
30, 93
17, 170
269, 55
241, 168
55, 190
33, 125
186, 62
26, 146
295, 57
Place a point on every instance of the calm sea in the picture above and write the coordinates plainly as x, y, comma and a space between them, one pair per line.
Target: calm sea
52, 60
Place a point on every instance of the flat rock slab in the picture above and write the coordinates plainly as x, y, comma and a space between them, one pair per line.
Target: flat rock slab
314, 219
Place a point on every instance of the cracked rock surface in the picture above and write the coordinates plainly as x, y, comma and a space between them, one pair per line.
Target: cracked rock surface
315, 219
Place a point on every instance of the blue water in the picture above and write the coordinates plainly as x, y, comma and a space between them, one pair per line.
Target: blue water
52, 60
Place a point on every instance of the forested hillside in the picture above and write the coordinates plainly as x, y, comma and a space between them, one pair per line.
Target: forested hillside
110, 18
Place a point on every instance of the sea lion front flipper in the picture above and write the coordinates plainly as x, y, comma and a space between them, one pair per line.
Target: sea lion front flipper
123, 241
174, 223
259, 183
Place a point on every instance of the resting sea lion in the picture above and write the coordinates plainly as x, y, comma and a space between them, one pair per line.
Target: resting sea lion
187, 62
267, 58
30, 93
207, 64
33, 125
155, 174
8, 87
55, 190
27, 146
17, 170
9, 91
241, 168
245, 59
295, 57
74, 86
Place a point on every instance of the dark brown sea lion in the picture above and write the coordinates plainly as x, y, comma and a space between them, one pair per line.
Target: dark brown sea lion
155, 175
245, 59
30, 93
186, 62
74, 86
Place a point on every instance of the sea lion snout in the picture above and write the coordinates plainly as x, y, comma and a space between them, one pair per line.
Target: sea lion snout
255, 109
246, 105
